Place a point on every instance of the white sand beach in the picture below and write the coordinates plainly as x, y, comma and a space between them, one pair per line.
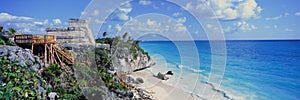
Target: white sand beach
178, 86
160, 89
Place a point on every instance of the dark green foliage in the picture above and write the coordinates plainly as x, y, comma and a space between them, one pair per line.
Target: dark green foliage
21, 82
136, 47
124, 36
12, 30
104, 34
103, 60
6, 41
102, 56
105, 40
108, 80
2, 42
118, 86
53, 70
52, 75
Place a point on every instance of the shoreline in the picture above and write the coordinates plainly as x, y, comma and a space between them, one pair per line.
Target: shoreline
178, 86
160, 89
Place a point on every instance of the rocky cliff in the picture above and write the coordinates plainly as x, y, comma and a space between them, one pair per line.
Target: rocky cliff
129, 57
20, 74
23, 76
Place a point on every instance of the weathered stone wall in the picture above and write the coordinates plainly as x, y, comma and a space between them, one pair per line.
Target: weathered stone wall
78, 32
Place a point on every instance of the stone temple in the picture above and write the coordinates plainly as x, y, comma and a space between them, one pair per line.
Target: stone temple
78, 32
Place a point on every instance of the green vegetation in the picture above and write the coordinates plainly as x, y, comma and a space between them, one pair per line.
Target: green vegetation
52, 74
105, 40
104, 34
108, 80
18, 81
2, 42
133, 45
6, 41
136, 47
12, 30
104, 63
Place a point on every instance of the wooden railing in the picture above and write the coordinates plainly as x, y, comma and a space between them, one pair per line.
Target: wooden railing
34, 38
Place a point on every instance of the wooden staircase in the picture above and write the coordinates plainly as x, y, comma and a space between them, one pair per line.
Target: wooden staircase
64, 57
45, 46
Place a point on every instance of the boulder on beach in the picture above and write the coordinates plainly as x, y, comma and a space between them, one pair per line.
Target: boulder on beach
169, 73
162, 76
139, 80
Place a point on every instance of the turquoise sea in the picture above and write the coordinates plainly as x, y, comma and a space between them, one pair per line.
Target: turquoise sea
255, 70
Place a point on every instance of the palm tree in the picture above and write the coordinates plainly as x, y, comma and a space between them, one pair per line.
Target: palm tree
12, 32
125, 35
104, 34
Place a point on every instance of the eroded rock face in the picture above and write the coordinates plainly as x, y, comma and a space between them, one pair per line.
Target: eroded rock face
25, 59
22, 56
126, 61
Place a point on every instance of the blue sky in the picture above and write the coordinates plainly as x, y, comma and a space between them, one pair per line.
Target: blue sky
239, 19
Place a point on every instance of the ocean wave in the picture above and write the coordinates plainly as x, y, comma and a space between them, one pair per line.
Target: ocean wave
189, 68
225, 95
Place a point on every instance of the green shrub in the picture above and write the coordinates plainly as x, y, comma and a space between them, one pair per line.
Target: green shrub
2, 42
21, 82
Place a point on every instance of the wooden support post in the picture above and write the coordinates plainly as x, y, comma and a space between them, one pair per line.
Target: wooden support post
32, 47
45, 54
48, 53
51, 53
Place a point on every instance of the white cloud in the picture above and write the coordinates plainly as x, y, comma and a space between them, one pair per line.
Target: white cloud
150, 22
118, 27
176, 14
98, 21
286, 14
46, 21
275, 26
208, 26
297, 14
245, 26
5, 17
155, 7
289, 30
278, 17
56, 21
274, 18
164, 26
188, 6
181, 20
96, 12
241, 26
145, 2
91, 13
38, 23
248, 9
27, 24
109, 27
228, 9
179, 27
122, 12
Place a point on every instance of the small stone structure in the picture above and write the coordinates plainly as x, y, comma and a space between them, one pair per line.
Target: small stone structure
78, 32
104, 46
